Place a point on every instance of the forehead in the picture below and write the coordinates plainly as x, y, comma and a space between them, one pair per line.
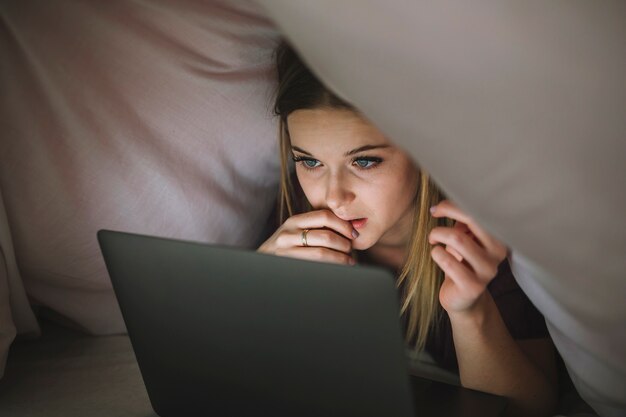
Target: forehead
314, 128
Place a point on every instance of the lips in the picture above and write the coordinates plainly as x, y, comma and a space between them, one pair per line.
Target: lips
359, 223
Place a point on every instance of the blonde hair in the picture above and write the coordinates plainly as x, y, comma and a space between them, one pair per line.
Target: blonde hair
420, 277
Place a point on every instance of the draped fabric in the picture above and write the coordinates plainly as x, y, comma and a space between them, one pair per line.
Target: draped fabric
153, 117
149, 117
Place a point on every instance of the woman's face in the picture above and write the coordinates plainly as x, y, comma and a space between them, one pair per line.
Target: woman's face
346, 165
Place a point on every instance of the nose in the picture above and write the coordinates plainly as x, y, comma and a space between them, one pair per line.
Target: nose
338, 192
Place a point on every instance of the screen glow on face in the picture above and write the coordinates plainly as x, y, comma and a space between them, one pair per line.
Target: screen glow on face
345, 164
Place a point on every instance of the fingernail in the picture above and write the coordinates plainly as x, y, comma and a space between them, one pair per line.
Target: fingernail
355, 234
432, 209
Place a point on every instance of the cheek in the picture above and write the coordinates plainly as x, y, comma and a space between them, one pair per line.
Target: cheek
312, 190
389, 194
397, 195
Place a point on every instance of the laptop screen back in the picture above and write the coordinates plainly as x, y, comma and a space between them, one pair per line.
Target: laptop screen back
228, 332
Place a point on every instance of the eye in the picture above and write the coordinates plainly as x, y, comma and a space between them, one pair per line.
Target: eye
366, 162
308, 163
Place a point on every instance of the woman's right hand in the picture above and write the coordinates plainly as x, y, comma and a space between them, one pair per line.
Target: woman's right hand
317, 235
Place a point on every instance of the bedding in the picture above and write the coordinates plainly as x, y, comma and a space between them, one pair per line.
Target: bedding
149, 117
153, 117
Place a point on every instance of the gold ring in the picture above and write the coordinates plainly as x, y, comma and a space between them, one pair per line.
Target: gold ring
304, 242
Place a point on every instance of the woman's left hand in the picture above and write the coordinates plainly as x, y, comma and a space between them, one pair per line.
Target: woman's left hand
469, 260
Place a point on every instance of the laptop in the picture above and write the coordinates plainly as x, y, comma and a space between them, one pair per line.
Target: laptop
220, 331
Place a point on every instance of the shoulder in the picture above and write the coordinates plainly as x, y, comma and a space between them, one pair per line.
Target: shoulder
521, 317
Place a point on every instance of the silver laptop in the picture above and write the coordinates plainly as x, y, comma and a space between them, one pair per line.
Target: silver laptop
220, 331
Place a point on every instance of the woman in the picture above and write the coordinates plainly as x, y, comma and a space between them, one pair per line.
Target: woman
358, 198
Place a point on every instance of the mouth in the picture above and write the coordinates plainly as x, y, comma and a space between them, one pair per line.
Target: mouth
359, 223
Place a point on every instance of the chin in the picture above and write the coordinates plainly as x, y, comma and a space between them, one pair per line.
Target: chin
362, 243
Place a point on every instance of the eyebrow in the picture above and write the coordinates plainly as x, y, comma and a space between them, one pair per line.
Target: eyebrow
352, 152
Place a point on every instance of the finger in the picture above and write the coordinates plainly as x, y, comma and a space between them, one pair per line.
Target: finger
318, 254
448, 209
463, 228
454, 253
315, 238
461, 275
322, 218
477, 257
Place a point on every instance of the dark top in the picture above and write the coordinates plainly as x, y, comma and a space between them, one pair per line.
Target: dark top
520, 316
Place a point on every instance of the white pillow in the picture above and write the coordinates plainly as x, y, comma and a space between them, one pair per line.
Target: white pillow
150, 117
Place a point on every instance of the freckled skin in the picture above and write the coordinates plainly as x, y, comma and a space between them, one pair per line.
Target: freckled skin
383, 192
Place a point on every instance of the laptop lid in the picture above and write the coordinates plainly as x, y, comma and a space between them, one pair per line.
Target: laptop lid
229, 332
